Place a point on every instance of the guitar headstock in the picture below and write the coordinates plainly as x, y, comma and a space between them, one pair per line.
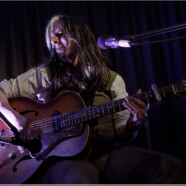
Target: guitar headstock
180, 88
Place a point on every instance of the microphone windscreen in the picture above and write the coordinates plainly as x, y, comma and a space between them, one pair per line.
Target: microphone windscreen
101, 42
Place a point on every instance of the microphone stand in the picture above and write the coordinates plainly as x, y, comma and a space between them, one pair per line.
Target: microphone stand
146, 35
156, 32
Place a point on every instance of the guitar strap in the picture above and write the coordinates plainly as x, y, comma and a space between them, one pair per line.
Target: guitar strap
88, 96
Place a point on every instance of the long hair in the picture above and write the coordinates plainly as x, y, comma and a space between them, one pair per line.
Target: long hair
94, 72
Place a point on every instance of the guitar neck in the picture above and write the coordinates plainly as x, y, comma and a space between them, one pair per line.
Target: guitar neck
150, 96
112, 107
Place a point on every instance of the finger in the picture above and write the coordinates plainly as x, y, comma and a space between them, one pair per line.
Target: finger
139, 91
134, 113
138, 104
134, 109
130, 107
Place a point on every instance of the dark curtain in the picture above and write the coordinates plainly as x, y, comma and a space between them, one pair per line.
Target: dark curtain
22, 46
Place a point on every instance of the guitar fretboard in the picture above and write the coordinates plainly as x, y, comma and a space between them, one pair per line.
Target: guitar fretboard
112, 107
150, 96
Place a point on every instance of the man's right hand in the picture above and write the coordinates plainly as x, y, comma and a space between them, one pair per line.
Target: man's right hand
22, 124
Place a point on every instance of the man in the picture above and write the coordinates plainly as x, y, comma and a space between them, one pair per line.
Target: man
77, 64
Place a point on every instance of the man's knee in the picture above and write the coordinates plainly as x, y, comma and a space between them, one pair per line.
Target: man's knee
71, 172
174, 169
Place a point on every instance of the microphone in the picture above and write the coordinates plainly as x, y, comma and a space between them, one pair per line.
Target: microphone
104, 42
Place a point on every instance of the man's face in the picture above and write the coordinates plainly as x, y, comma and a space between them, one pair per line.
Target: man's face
60, 41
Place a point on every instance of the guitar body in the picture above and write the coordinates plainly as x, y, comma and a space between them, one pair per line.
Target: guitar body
70, 141
61, 129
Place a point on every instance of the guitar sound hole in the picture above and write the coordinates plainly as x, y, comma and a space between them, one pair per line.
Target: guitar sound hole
3, 144
3, 133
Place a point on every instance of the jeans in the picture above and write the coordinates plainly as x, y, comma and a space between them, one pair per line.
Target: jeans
124, 165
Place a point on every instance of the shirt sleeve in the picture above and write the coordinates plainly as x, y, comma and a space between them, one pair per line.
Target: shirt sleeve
28, 84
118, 86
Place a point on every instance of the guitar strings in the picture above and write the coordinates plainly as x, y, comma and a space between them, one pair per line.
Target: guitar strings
70, 119
78, 118
74, 119
90, 110
45, 122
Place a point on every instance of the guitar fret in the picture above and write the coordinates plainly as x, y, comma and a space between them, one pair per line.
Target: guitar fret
92, 114
74, 120
65, 122
98, 112
68, 122
173, 90
108, 109
103, 110
151, 97
81, 117
89, 114
147, 98
163, 93
85, 117
95, 112
113, 106
119, 105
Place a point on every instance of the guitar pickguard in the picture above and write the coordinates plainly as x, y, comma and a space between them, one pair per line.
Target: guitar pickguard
51, 140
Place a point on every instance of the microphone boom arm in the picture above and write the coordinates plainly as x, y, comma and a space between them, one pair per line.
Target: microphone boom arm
157, 32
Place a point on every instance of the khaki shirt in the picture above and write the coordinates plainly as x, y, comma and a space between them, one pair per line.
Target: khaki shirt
35, 82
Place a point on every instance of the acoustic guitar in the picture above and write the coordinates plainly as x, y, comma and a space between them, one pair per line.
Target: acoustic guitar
60, 128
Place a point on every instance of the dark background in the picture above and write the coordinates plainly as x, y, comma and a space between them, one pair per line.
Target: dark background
22, 46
